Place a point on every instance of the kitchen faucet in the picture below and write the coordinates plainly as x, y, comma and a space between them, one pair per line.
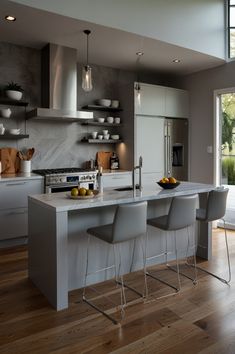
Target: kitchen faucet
139, 167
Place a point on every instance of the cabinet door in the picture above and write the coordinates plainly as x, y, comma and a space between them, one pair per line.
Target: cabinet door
152, 100
14, 194
149, 143
13, 223
119, 180
177, 103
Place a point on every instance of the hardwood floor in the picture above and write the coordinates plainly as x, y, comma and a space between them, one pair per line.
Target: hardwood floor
201, 319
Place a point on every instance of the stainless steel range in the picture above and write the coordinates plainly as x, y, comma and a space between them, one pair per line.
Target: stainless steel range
64, 179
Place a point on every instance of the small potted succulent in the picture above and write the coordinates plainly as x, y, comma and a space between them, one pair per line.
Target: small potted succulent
14, 91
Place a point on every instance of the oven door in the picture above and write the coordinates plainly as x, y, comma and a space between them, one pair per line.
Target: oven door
67, 187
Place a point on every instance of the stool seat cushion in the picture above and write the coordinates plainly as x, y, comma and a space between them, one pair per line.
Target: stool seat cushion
103, 232
159, 222
201, 214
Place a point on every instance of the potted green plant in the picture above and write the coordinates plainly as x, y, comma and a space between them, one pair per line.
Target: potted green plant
14, 91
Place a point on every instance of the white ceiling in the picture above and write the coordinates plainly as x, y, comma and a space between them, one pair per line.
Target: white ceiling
108, 46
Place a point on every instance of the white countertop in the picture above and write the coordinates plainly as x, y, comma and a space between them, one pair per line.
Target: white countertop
60, 202
18, 177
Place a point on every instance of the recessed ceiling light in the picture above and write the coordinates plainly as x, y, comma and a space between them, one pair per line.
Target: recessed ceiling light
10, 18
176, 60
140, 54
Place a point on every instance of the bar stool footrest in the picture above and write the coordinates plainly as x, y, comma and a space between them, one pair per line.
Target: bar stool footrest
164, 282
129, 287
101, 311
214, 275
184, 275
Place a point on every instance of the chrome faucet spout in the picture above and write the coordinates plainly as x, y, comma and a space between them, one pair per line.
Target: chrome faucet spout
139, 167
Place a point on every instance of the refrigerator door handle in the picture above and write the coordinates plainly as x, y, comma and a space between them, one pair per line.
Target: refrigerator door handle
165, 155
169, 156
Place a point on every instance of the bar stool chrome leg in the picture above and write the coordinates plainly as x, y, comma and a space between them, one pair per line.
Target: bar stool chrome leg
85, 299
225, 281
122, 283
176, 288
194, 280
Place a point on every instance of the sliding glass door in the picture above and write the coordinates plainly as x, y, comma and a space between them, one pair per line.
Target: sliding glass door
227, 155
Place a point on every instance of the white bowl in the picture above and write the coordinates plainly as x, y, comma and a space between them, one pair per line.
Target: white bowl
117, 120
105, 132
100, 137
104, 102
94, 135
100, 120
14, 95
106, 137
14, 131
115, 103
5, 112
110, 120
115, 137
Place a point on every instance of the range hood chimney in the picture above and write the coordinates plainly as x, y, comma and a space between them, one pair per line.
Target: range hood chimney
59, 85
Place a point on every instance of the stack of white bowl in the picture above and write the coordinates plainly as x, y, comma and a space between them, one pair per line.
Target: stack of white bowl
106, 134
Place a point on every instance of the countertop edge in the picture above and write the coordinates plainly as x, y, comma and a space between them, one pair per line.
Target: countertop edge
59, 202
19, 177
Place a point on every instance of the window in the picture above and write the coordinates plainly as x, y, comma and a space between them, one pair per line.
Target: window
231, 28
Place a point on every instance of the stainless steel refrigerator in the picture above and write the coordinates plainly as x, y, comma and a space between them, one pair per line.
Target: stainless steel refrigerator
163, 144
176, 148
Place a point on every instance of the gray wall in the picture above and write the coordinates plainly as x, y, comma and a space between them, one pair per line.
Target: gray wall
58, 144
201, 86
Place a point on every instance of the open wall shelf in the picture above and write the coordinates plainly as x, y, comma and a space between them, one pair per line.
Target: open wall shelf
93, 107
13, 136
7, 102
98, 141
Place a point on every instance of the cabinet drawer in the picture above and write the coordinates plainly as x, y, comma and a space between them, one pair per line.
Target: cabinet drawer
121, 180
14, 194
13, 223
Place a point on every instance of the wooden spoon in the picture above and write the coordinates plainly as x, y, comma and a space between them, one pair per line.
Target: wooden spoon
30, 153
21, 155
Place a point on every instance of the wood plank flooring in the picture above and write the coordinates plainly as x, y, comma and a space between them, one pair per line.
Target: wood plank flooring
200, 319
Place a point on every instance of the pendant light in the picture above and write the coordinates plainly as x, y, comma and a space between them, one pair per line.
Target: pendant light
86, 70
137, 85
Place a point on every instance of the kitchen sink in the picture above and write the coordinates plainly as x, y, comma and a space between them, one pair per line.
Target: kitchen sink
128, 188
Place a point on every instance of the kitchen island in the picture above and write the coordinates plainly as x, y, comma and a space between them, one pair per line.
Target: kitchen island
58, 239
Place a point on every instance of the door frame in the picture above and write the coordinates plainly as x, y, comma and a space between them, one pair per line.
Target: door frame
217, 132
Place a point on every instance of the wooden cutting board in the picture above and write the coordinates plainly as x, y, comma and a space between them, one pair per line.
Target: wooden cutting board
10, 162
103, 159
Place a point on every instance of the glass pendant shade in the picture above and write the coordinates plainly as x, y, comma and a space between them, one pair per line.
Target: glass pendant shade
138, 94
86, 70
86, 78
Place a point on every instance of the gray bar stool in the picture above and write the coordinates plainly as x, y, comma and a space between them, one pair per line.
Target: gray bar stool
182, 214
215, 209
129, 223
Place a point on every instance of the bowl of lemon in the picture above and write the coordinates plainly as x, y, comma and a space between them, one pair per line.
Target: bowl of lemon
82, 193
168, 183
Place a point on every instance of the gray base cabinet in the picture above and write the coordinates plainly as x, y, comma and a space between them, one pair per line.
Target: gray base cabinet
14, 206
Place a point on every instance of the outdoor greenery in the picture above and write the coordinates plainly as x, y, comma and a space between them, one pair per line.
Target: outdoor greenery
228, 169
228, 121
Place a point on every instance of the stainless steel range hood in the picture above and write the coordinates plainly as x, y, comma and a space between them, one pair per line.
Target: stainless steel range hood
59, 85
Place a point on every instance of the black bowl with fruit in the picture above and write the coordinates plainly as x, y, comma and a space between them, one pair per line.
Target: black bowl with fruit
168, 183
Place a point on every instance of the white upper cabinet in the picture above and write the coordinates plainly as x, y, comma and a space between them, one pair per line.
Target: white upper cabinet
162, 101
177, 105
152, 100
